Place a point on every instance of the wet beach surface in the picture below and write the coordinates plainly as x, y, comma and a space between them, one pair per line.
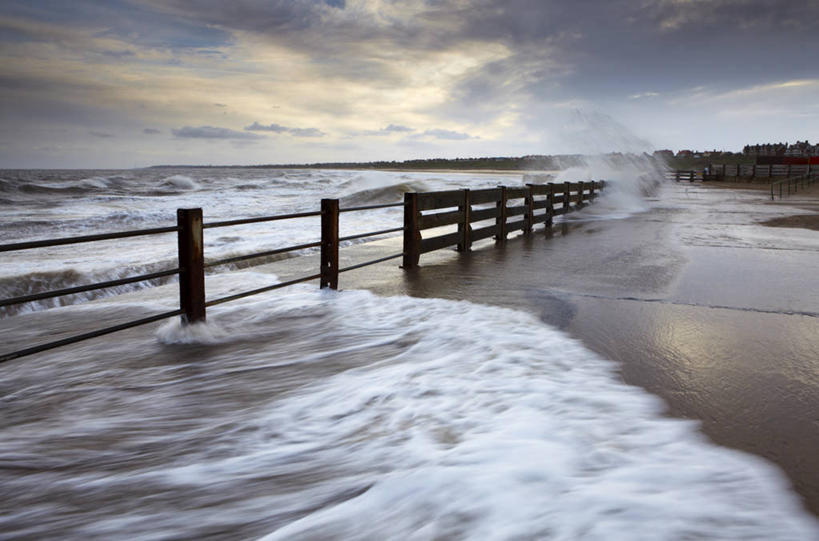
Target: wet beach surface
311, 415
696, 301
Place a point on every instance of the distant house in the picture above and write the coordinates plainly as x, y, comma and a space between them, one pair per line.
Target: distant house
664, 154
799, 149
685, 154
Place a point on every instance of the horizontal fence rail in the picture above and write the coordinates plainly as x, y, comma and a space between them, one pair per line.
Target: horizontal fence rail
495, 213
792, 185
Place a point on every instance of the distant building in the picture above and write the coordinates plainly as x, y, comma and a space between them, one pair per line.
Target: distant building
664, 154
800, 149
685, 154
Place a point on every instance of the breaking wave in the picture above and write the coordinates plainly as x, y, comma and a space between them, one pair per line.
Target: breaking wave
392, 193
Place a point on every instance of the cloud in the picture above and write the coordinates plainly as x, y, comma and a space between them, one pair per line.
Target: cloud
389, 130
641, 95
394, 128
101, 134
151, 131
278, 128
447, 135
212, 132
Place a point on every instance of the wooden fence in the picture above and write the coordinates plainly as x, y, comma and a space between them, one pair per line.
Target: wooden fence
751, 171
792, 185
424, 213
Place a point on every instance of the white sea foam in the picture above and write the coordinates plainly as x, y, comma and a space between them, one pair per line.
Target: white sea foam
94, 182
490, 425
174, 332
482, 423
343, 415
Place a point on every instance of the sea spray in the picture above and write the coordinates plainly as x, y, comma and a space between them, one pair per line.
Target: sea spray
611, 152
204, 332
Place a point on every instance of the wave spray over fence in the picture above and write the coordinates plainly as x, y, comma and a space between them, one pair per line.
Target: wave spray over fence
493, 212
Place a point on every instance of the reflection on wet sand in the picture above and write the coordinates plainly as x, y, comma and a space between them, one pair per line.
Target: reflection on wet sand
699, 304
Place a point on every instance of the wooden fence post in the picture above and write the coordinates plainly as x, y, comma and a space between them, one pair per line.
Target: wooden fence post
567, 188
500, 219
581, 188
329, 244
192, 264
412, 233
591, 191
550, 205
529, 214
463, 226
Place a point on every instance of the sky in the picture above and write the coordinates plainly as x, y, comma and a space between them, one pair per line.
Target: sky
132, 83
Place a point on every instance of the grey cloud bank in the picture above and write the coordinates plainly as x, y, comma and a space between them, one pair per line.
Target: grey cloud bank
212, 132
276, 128
459, 78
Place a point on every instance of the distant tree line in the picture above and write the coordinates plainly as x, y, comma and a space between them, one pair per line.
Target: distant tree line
522, 163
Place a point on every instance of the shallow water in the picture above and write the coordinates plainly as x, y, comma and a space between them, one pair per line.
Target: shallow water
312, 414
305, 414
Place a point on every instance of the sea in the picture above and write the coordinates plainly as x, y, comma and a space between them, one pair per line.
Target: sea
316, 414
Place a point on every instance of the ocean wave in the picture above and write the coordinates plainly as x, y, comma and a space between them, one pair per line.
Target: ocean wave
99, 183
392, 193
180, 182
43, 281
486, 424
343, 415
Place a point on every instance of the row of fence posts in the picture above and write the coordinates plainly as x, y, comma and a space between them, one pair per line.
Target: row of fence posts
191, 242
412, 230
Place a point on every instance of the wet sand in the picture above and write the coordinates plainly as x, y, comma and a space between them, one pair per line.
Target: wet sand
696, 300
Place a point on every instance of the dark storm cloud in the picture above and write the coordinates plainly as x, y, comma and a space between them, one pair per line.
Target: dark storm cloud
151, 131
558, 50
277, 128
212, 132
137, 21
101, 134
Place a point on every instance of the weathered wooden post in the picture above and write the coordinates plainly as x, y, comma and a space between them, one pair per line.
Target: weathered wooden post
412, 233
329, 244
529, 214
581, 187
463, 226
591, 191
550, 205
567, 196
192, 265
500, 219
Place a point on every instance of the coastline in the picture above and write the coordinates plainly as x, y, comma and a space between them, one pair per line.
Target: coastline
737, 355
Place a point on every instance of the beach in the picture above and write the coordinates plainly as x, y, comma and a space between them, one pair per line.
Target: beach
696, 300
644, 368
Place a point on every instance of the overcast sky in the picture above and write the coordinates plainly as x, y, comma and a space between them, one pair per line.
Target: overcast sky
129, 83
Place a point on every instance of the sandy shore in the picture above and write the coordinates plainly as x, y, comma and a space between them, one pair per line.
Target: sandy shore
696, 300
